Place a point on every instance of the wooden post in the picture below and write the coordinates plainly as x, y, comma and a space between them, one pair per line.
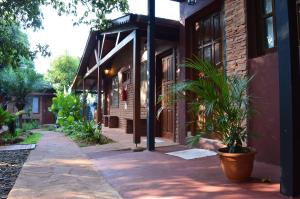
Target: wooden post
151, 76
99, 105
289, 85
137, 86
83, 100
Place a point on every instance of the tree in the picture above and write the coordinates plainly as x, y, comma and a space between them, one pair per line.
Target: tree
62, 72
18, 83
14, 45
28, 12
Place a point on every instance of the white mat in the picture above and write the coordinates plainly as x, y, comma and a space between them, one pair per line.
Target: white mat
192, 153
156, 140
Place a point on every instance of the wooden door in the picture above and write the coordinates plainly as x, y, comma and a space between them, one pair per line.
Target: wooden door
48, 117
168, 76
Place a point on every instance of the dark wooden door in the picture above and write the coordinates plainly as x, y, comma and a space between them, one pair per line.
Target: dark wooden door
48, 117
168, 76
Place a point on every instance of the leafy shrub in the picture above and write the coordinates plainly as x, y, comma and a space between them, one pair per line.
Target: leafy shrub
4, 116
30, 125
66, 108
88, 132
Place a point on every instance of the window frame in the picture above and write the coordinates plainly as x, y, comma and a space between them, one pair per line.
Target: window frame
213, 40
127, 73
262, 32
116, 104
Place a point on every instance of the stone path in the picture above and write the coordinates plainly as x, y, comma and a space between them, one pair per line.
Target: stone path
58, 169
17, 147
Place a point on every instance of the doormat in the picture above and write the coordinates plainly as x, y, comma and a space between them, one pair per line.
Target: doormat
192, 153
156, 140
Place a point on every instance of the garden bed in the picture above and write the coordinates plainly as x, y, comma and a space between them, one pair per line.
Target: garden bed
11, 163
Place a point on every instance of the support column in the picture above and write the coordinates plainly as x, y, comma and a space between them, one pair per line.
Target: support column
99, 104
137, 87
83, 100
151, 77
289, 83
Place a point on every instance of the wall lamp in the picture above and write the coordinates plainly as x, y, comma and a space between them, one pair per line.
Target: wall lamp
192, 2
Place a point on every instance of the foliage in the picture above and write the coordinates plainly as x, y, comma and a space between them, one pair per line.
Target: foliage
221, 100
4, 116
33, 138
88, 132
18, 83
26, 126
10, 138
67, 109
14, 45
62, 72
29, 14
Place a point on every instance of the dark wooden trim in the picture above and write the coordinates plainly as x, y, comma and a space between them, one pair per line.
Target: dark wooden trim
289, 84
109, 55
137, 86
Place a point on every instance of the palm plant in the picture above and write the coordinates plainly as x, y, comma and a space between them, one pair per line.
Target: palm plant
222, 100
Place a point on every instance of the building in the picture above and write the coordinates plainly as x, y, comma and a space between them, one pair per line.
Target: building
241, 36
119, 57
37, 108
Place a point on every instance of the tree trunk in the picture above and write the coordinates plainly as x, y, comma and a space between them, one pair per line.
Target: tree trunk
20, 120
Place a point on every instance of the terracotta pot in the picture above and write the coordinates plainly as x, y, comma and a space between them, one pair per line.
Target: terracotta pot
237, 166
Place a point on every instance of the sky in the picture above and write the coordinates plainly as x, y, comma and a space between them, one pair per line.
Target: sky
62, 36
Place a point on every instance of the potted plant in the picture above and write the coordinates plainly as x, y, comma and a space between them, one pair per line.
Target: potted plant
223, 102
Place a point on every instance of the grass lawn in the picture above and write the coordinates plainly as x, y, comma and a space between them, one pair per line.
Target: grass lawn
32, 139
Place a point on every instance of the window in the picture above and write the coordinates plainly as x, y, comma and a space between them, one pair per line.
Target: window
268, 24
32, 104
207, 38
35, 105
144, 85
115, 92
126, 76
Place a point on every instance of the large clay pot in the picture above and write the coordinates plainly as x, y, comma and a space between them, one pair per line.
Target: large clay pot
237, 166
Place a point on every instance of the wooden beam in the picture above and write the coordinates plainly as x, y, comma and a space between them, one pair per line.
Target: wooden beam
98, 48
122, 29
116, 49
137, 87
83, 101
118, 38
99, 104
96, 55
102, 46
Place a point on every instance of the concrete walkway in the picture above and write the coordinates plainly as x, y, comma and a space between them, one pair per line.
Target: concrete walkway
58, 169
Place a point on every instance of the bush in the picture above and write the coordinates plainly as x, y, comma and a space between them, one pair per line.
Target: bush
66, 108
88, 132
30, 125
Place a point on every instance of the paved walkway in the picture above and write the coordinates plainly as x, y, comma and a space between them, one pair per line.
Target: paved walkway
58, 169
155, 175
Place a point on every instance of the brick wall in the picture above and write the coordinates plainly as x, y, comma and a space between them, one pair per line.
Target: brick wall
236, 36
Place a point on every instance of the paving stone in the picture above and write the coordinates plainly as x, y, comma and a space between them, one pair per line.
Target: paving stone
58, 169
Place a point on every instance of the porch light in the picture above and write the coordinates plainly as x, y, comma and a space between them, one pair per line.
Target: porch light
106, 71
192, 2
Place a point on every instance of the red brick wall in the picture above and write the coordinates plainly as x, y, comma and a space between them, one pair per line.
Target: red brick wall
235, 36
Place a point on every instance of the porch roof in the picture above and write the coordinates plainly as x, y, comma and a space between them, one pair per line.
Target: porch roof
97, 54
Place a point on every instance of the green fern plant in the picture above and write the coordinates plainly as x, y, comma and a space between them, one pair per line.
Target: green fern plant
222, 100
